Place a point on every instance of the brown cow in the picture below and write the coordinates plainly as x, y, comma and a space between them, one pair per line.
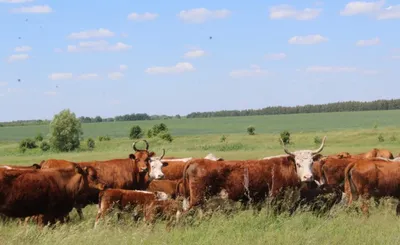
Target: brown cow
379, 153
150, 203
246, 180
49, 193
372, 178
330, 170
173, 188
16, 167
131, 173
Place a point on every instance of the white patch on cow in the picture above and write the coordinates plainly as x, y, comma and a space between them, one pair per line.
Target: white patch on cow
185, 204
397, 159
212, 157
161, 196
156, 168
148, 192
384, 159
6, 167
178, 160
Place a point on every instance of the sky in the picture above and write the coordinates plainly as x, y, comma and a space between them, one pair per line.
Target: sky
172, 57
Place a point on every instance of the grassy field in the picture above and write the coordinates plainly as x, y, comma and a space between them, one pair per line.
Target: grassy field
353, 132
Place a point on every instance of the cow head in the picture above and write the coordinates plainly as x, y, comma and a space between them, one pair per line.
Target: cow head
146, 161
303, 160
90, 175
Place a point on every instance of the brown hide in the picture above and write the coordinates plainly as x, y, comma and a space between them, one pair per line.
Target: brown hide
51, 192
171, 187
372, 178
204, 178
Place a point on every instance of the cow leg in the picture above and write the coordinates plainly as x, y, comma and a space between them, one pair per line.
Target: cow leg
398, 209
78, 208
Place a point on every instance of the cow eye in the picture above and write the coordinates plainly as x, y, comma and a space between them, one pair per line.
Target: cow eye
298, 165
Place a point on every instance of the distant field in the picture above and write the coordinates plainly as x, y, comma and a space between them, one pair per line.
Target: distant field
317, 122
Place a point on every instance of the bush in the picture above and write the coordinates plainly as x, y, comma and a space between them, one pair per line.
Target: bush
166, 137
90, 144
158, 128
104, 138
66, 131
149, 133
39, 137
136, 132
317, 140
381, 138
44, 146
251, 130
393, 138
27, 144
285, 136
223, 138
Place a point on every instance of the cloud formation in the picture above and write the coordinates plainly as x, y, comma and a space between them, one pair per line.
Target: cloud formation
286, 11
180, 67
201, 15
307, 40
38, 9
142, 17
368, 42
18, 57
99, 33
60, 76
254, 71
194, 53
115, 75
374, 9
23, 49
98, 46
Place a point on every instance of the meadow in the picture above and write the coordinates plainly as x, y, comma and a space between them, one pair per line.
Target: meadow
354, 132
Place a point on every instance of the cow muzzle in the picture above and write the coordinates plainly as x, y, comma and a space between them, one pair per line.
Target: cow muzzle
307, 178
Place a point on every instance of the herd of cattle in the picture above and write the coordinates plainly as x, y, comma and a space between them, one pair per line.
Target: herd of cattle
170, 186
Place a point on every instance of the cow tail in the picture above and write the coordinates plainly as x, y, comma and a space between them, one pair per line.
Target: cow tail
185, 185
349, 187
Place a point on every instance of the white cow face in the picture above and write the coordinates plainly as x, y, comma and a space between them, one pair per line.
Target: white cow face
304, 160
156, 167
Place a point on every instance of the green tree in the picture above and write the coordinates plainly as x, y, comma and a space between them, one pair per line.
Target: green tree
285, 136
136, 132
65, 130
90, 144
44, 146
39, 137
251, 130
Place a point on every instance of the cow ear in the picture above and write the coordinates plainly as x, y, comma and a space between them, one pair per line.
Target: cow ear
85, 169
132, 156
151, 154
78, 169
317, 157
37, 166
165, 164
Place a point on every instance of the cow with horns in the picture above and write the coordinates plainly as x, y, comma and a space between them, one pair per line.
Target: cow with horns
130, 173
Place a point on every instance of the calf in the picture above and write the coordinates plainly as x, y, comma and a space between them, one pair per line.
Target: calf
173, 188
50, 193
151, 204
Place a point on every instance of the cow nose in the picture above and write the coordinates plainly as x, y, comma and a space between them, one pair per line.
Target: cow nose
160, 176
308, 177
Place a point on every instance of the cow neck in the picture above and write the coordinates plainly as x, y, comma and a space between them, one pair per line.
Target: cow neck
73, 183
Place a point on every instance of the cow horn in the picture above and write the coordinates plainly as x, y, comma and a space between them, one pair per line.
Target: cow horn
321, 147
147, 144
285, 149
134, 146
162, 154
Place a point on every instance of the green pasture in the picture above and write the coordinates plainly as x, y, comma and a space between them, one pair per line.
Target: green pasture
354, 132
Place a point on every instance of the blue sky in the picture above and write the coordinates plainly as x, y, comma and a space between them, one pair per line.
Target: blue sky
116, 57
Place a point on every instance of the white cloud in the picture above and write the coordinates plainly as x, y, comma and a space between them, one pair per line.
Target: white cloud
50, 93
374, 9
60, 76
3, 84
15, 1
368, 42
39, 9
99, 33
286, 11
98, 46
18, 57
123, 67
330, 69
194, 53
23, 49
277, 56
142, 17
115, 75
201, 15
307, 40
88, 76
178, 68
254, 71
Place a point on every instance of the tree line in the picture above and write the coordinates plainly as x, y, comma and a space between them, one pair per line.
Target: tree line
393, 104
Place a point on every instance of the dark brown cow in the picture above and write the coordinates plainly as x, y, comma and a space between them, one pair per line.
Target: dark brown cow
372, 178
150, 203
131, 173
49, 193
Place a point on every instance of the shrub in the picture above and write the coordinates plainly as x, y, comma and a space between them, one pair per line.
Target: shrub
223, 138
158, 128
317, 140
393, 138
27, 144
104, 138
285, 136
251, 130
90, 144
136, 132
44, 146
39, 137
166, 136
66, 130
376, 126
149, 133
381, 138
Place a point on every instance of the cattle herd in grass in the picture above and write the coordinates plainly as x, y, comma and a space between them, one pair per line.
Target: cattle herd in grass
154, 186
